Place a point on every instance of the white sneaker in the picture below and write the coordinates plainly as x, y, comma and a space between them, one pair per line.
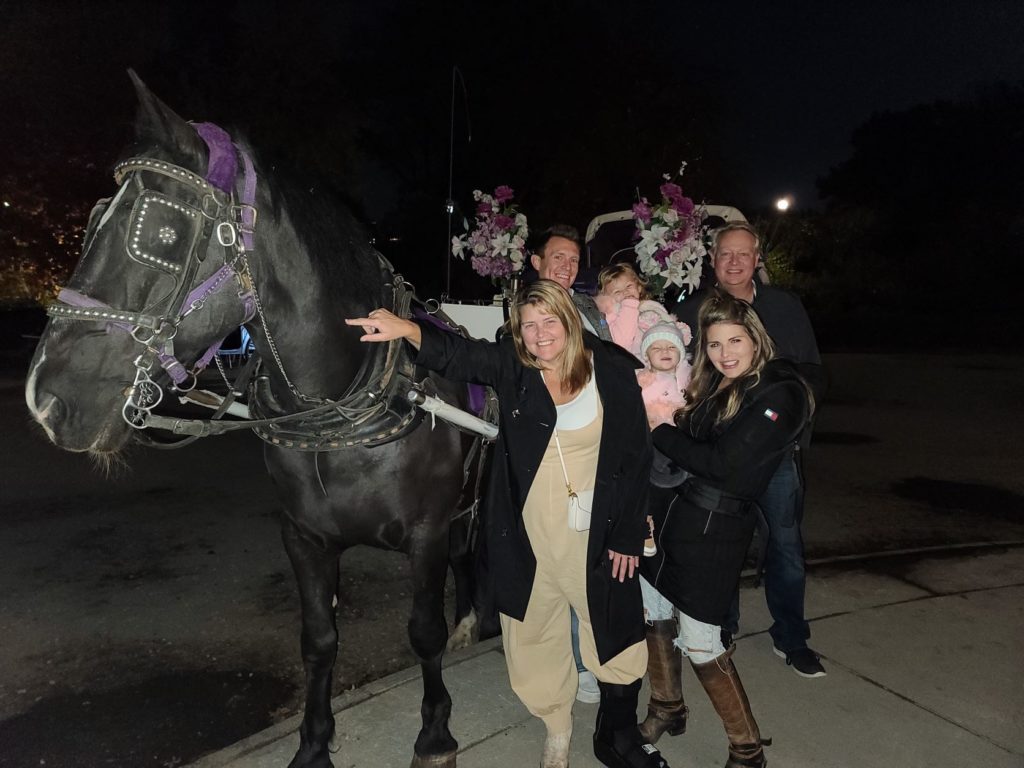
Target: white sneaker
588, 691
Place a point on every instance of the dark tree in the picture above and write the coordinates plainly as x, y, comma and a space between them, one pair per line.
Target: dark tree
933, 196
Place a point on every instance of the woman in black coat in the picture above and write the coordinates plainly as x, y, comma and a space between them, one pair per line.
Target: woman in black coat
745, 409
569, 410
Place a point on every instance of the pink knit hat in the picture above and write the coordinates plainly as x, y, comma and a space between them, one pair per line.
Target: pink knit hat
663, 332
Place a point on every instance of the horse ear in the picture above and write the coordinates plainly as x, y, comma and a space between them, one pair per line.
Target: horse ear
155, 120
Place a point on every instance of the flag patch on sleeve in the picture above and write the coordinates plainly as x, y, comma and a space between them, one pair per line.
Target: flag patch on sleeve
769, 413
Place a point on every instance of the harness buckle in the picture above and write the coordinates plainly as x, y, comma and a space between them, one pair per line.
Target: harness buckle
245, 215
211, 207
227, 235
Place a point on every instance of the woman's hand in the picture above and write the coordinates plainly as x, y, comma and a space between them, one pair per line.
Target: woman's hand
381, 325
623, 566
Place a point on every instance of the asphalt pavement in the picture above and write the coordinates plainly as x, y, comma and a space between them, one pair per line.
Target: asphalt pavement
925, 668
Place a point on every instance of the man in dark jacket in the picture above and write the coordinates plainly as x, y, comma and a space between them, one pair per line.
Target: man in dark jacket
735, 255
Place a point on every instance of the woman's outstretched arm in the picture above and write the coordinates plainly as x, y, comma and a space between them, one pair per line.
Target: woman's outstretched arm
381, 325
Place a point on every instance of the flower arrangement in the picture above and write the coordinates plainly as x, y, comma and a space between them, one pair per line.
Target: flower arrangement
497, 245
670, 239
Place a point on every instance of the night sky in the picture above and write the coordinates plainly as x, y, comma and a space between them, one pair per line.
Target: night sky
574, 104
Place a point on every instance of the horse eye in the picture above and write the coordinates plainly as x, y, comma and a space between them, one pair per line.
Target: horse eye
167, 235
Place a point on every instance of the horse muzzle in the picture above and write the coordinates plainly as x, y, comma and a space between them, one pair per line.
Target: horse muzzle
76, 414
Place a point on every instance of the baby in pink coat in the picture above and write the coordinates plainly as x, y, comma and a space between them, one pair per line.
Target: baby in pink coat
667, 372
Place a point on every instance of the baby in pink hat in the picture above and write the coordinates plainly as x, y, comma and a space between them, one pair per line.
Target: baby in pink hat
667, 372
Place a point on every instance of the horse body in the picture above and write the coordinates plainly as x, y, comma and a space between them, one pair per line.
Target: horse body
310, 267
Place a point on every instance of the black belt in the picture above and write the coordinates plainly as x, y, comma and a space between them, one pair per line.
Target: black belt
712, 499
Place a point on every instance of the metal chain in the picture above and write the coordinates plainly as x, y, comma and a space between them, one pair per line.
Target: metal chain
270, 339
223, 373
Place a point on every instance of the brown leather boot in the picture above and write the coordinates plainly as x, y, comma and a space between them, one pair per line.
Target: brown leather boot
722, 683
666, 711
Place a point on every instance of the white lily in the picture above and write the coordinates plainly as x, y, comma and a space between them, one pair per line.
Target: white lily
673, 274
652, 239
500, 244
691, 277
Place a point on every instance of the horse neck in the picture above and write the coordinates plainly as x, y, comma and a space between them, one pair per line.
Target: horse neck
306, 345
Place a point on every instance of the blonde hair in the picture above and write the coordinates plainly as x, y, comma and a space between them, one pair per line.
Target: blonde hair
574, 367
720, 308
613, 271
735, 226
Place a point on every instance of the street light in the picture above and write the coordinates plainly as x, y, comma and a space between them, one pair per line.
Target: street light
783, 203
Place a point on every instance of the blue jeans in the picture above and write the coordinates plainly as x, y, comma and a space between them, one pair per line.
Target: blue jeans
576, 641
784, 576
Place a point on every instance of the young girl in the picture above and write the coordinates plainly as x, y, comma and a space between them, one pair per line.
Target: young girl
623, 299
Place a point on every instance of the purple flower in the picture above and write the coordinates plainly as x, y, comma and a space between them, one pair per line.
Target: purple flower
503, 193
683, 205
642, 211
503, 222
671, 191
483, 209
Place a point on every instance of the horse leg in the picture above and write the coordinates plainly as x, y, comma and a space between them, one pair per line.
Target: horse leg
316, 570
428, 631
460, 559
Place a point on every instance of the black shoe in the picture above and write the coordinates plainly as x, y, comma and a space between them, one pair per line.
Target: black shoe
626, 748
804, 661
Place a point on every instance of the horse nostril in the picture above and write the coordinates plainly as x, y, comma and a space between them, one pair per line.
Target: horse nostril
46, 407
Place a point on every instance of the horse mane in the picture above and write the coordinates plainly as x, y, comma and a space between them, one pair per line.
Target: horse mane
325, 218
327, 223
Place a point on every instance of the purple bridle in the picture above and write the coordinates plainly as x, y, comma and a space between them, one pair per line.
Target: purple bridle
228, 203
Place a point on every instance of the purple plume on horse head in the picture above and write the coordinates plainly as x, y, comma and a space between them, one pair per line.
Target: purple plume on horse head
223, 164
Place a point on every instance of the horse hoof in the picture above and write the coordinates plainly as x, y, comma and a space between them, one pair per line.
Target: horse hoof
464, 634
447, 760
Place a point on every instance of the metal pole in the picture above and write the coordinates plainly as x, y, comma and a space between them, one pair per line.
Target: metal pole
449, 204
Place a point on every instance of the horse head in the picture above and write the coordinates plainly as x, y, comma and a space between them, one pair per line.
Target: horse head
159, 282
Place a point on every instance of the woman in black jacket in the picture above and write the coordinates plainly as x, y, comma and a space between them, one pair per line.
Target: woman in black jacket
570, 413
745, 409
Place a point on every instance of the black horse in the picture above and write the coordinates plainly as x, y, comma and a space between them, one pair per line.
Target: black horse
198, 240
